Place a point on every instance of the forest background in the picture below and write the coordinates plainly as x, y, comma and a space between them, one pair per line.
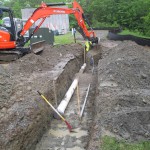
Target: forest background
133, 15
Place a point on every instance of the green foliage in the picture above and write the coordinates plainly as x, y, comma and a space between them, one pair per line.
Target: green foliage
110, 143
147, 24
73, 22
133, 15
103, 24
135, 33
17, 9
17, 5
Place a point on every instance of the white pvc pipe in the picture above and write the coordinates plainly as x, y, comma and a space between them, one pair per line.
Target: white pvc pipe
62, 106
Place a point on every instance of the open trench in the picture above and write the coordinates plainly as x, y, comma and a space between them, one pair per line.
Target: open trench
118, 96
58, 137
24, 116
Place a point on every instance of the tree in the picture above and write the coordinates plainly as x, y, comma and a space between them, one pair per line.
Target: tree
133, 15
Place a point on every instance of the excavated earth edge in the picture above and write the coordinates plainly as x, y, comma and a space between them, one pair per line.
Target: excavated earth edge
122, 105
24, 116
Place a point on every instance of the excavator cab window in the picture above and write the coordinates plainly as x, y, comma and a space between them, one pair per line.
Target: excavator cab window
6, 22
4, 18
1, 17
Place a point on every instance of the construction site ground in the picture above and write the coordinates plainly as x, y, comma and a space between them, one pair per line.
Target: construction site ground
118, 102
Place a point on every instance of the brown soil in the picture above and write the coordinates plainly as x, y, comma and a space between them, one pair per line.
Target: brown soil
23, 116
123, 100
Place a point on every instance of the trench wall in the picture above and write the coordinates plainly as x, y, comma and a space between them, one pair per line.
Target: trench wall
26, 117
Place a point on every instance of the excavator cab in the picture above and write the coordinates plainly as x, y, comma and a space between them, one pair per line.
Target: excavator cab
8, 50
7, 26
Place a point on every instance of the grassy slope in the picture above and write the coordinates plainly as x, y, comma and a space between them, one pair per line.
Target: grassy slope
127, 32
110, 143
64, 39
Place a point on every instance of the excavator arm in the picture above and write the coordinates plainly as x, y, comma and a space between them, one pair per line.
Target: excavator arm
45, 10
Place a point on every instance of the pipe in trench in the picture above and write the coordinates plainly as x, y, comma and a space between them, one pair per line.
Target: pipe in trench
85, 101
63, 104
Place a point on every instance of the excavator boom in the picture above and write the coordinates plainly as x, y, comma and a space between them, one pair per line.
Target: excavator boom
45, 10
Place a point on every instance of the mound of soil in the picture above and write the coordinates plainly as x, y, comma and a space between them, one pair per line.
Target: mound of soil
23, 115
123, 101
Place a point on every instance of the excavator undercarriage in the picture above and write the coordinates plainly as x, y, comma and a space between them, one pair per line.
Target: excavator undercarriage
14, 54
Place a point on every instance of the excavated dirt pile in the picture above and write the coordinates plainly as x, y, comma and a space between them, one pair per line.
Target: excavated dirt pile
23, 115
123, 101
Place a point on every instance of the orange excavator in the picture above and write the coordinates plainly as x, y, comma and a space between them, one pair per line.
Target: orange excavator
12, 45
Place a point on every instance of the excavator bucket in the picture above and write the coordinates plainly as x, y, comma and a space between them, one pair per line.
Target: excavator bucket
37, 47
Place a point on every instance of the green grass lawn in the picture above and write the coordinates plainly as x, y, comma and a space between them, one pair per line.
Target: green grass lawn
127, 32
64, 39
110, 143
